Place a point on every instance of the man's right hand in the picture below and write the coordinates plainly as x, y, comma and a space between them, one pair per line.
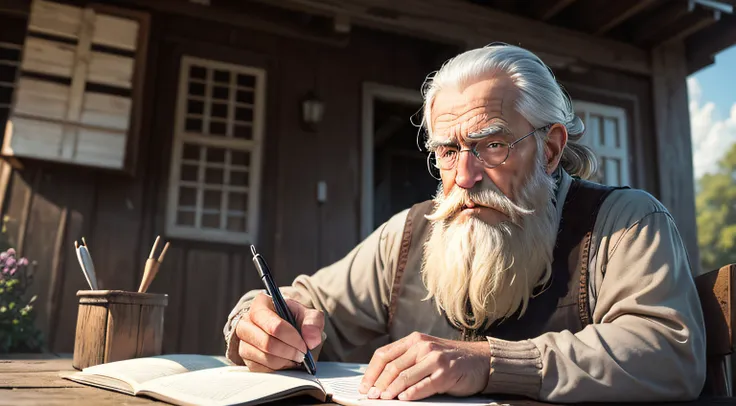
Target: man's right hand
268, 342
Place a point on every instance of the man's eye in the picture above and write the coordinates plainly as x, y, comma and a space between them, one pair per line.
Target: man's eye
494, 145
447, 153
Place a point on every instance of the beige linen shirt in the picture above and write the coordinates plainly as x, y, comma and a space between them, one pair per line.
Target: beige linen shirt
647, 340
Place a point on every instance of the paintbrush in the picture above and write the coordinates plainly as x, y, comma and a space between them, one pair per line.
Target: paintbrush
152, 266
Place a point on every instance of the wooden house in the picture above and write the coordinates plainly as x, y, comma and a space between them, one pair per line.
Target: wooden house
286, 123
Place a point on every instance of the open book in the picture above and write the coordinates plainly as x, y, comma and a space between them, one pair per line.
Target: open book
190, 379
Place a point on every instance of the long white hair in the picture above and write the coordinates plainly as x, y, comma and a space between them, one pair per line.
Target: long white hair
541, 99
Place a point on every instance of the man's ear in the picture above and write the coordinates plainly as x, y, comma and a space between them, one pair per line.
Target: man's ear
554, 144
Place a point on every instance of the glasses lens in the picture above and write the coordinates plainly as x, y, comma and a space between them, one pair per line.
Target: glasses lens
493, 153
446, 157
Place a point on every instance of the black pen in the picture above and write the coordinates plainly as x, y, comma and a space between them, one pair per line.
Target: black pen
280, 304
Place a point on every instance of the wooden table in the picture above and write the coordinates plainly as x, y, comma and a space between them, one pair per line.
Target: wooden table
34, 379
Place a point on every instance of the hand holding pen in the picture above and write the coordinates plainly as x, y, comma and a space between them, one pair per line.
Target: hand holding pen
268, 342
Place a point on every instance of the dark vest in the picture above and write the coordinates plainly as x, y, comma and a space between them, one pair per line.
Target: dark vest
563, 305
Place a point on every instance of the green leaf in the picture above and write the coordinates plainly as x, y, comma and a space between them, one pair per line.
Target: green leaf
716, 214
3, 309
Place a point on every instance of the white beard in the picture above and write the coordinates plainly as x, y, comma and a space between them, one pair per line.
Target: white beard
492, 268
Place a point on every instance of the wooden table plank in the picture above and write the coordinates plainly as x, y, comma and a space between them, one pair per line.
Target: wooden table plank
50, 365
38, 379
45, 379
69, 396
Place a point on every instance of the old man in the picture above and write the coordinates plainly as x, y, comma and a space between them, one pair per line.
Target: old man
519, 277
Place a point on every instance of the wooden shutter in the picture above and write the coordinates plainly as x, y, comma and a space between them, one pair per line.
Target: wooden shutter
80, 74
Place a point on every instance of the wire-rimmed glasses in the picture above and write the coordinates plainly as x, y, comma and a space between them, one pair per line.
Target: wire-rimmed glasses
491, 153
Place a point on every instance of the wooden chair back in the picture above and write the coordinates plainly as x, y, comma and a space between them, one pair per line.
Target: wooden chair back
718, 299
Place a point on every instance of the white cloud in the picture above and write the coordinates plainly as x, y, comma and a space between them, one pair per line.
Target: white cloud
711, 137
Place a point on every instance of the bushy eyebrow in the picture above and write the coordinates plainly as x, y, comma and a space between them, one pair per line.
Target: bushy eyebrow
448, 142
498, 129
495, 129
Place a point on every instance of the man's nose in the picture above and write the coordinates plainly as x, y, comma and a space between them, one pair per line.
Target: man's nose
469, 170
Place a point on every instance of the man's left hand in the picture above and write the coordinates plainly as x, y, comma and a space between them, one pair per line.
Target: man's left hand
418, 366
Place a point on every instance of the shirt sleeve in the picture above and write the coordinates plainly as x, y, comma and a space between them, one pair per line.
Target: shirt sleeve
647, 340
353, 293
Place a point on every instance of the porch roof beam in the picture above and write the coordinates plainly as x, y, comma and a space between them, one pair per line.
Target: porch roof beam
620, 11
656, 23
546, 9
470, 24
702, 46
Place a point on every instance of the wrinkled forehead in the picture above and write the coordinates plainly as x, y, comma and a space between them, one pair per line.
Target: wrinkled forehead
489, 103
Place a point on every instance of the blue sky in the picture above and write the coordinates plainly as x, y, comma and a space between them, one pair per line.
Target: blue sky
712, 93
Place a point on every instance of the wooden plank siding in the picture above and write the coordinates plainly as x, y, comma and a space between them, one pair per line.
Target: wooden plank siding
120, 216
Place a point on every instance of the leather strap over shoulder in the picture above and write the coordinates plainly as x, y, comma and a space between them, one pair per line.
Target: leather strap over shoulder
416, 215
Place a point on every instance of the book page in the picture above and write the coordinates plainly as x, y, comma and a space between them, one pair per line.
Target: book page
128, 375
231, 386
341, 381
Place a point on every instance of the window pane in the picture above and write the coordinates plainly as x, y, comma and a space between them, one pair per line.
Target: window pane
197, 72
211, 221
187, 197
610, 133
212, 199
222, 76
241, 158
195, 107
196, 89
215, 155
191, 151
193, 125
219, 92
613, 171
218, 128
237, 201
246, 80
189, 173
236, 223
238, 178
593, 130
213, 176
245, 96
219, 110
244, 114
185, 218
243, 131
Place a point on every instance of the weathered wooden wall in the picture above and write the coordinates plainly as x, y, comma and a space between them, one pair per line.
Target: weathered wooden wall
51, 205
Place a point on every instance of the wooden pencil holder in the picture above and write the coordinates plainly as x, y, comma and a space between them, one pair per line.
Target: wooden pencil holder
114, 325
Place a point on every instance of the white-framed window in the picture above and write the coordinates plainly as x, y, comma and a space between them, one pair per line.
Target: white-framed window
606, 133
214, 180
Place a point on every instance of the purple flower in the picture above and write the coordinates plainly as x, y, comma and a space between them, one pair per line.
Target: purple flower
23, 262
3, 255
11, 252
12, 271
10, 263
6, 269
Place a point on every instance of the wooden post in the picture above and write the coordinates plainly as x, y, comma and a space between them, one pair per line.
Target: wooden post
674, 145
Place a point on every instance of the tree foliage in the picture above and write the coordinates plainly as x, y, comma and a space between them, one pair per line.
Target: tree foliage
716, 214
